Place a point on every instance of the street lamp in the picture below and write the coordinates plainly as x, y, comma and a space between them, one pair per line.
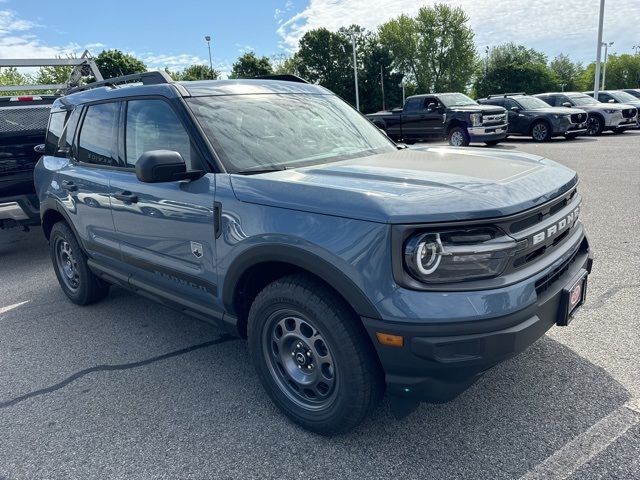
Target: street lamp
355, 66
208, 40
604, 68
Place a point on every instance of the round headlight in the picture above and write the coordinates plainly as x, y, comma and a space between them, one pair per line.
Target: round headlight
428, 254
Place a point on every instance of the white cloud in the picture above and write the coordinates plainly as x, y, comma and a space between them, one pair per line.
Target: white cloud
554, 27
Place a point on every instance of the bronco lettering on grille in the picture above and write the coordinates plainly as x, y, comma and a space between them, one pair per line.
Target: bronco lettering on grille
556, 228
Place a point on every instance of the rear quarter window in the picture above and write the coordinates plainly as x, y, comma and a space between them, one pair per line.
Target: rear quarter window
97, 138
54, 132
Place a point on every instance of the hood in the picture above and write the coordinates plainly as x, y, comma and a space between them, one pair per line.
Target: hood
413, 185
559, 110
609, 106
490, 109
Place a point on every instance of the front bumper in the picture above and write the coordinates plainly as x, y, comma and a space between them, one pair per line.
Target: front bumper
488, 133
438, 362
21, 210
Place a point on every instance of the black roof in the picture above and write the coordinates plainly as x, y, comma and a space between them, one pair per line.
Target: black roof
187, 89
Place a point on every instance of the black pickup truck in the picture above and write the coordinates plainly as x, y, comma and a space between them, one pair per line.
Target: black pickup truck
443, 115
23, 124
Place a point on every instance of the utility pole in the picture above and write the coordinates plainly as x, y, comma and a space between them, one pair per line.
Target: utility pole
355, 68
208, 39
604, 68
596, 81
382, 85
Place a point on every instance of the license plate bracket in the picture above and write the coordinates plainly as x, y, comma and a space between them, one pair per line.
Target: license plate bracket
573, 296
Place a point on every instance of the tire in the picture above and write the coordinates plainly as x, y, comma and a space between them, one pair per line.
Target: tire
492, 142
458, 137
70, 265
312, 356
618, 131
540, 131
595, 125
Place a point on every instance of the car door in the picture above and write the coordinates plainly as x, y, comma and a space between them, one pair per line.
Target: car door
433, 122
413, 118
166, 230
83, 179
516, 117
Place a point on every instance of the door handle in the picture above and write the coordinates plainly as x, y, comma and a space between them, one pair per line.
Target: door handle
69, 186
126, 197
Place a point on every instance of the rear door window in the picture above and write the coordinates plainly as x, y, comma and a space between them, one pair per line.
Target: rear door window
98, 135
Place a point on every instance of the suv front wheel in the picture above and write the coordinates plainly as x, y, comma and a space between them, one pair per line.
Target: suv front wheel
313, 359
70, 264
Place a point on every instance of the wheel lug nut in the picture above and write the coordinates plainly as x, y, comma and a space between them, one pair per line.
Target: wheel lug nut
308, 354
293, 354
308, 367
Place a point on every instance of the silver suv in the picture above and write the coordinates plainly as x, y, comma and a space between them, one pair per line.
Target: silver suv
602, 116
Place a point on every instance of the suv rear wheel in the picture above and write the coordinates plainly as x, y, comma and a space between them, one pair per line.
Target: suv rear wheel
312, 358
70, 264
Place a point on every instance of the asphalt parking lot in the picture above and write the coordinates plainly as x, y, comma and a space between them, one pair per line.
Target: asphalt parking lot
129, 389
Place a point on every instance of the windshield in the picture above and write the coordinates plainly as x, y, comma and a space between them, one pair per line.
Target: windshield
583, 100
276, 131
455, 99
531, 103
623, 97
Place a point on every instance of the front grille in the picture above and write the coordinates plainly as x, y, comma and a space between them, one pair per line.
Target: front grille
545, 282
578, 118
497, 119
629, 112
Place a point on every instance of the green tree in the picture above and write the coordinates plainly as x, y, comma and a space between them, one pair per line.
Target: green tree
435, 49
324, 57
515, 68
623, 71
197, 72
567, 73
249, 66
114, 63
11, 76
377, 71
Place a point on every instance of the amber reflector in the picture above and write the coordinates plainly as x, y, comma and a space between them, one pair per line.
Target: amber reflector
390, 340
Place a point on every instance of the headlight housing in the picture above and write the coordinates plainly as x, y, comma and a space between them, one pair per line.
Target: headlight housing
458, 254
476, 119
607, 110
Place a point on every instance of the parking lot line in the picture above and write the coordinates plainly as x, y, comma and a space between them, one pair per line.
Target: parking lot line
11, 307
564, 462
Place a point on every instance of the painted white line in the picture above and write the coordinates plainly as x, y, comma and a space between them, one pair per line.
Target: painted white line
564, 462
11, 307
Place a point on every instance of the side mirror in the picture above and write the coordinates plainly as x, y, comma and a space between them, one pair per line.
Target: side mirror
156, 166
611, 100
567, 104
515, 109
431, 107
39, 149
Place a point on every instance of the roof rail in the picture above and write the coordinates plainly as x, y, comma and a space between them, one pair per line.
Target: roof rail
506, 94
146, 78
287, 77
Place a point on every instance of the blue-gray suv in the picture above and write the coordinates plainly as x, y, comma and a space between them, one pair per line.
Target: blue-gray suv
276, 211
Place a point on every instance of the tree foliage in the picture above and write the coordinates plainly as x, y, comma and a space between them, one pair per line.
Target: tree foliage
623, 71
194, 72
249, 66
567, 73
435, 49
515, 68
114, 63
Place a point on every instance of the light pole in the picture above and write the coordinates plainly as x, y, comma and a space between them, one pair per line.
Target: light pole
208, 39
355, 68
382, 84
596, 80
604, 68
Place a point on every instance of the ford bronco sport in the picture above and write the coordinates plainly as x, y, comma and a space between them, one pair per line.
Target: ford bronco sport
277, 211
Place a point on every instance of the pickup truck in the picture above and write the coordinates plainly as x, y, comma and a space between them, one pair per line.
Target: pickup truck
443, 115
23, 123
277, 212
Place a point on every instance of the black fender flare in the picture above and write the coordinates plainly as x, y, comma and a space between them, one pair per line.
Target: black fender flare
300, 258
52, 205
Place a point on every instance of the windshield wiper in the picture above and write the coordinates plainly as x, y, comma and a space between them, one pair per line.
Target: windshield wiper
261, 169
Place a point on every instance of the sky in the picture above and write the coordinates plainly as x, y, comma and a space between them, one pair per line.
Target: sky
171, 34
